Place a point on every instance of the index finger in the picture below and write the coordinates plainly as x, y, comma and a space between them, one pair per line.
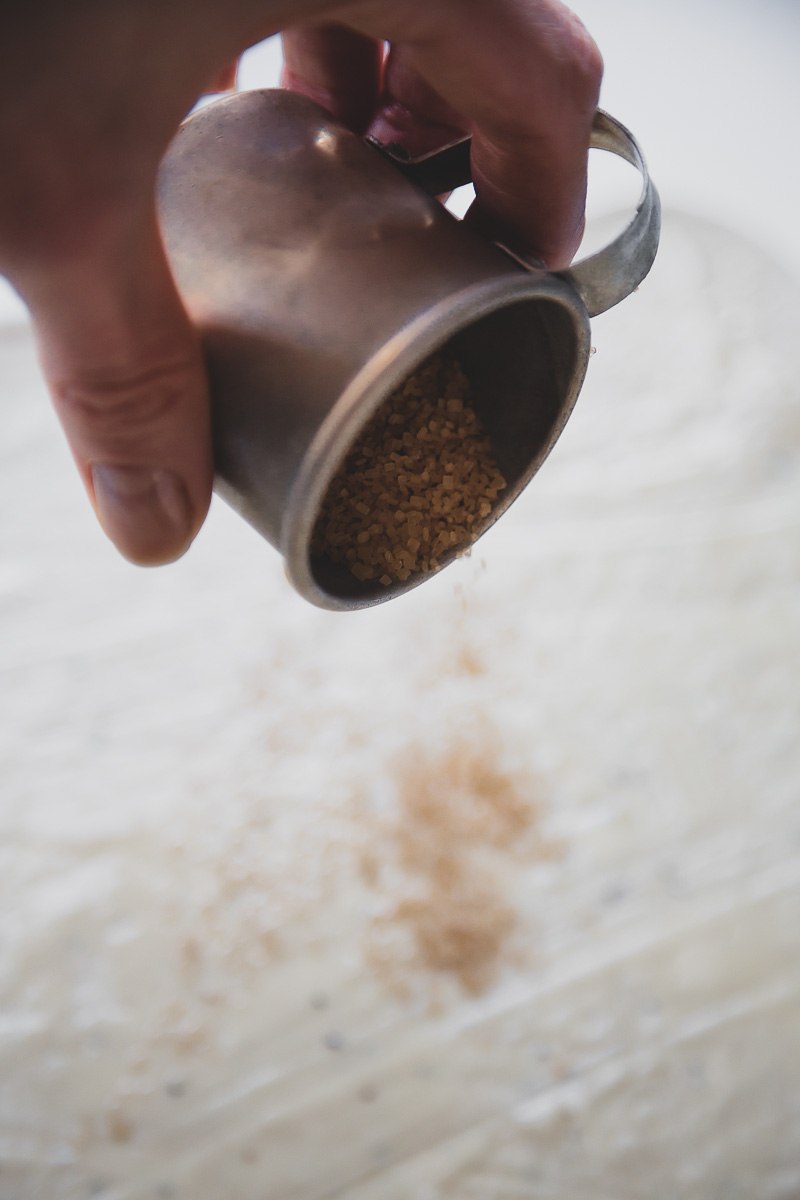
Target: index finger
526, 76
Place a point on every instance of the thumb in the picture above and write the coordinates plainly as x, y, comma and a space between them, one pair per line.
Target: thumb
126, 374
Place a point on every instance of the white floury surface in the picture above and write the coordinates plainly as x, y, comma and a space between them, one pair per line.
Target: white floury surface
192, 761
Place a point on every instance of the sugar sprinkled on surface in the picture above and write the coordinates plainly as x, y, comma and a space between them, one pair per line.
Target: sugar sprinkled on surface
440, 863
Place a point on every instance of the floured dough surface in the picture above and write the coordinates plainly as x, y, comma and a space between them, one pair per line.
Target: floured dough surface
490, 892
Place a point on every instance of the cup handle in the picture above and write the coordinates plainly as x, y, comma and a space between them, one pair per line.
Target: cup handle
602, 279
605, 278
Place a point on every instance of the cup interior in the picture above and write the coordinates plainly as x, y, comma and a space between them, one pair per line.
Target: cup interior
524, 365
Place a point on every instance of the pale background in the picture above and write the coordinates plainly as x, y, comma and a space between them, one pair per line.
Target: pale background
209, 985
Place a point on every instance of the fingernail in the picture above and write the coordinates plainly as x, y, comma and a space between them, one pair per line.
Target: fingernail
144, 510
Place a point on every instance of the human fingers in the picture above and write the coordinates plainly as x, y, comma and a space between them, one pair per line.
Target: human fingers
91, 96
337, 67
224, 80
524, 75
126, 375
411, 112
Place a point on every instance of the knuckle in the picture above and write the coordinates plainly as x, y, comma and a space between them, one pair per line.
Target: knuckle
584, 62
121, 409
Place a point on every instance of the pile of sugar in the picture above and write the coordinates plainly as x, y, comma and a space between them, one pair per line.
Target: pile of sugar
442, 861
418, 486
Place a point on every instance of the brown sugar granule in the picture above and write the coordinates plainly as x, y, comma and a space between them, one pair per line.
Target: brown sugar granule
418, 484
460, 798
458, 929
120, 1128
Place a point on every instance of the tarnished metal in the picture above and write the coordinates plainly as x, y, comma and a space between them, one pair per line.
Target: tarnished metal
320, 278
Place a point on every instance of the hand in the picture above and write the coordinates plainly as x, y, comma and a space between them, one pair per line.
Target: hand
90, 96
522, 76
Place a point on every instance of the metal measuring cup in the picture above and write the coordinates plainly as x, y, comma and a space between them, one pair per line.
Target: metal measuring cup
321, 272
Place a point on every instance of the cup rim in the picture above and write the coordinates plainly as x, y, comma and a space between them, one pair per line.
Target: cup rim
377, 378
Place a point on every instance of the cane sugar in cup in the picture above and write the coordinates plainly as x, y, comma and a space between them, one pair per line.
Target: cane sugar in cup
417, 487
